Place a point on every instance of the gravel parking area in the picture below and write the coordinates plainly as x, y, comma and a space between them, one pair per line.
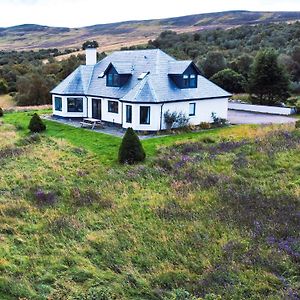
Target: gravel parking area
242, 117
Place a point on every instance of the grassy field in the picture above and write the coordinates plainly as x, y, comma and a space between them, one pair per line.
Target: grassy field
6, 101
209, 215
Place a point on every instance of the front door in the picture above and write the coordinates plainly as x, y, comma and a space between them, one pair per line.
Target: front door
96, 111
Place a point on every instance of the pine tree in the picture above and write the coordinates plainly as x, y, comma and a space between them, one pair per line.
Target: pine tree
268, 80
36, 124
131, 149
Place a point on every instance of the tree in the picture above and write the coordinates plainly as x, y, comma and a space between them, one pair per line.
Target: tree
3, 87
34, 88
268, 80
243, 64
36, 124
131, 149
213, 63
230, 80
90, 44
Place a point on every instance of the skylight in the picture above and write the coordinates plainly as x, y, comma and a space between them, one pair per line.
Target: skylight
143, 75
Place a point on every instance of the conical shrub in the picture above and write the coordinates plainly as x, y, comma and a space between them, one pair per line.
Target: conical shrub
36, 124
131, 149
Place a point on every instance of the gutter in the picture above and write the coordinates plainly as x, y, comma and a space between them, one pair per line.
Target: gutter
161, 109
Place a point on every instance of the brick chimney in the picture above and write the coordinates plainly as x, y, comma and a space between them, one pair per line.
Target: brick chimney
91, 56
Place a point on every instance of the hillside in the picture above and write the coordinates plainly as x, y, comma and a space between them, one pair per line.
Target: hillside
209, 215
117, 35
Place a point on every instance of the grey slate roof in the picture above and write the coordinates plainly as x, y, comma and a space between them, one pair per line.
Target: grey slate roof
157, 86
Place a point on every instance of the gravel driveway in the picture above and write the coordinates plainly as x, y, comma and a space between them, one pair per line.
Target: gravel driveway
242, 117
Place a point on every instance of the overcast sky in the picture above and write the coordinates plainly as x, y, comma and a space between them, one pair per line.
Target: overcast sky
78, 13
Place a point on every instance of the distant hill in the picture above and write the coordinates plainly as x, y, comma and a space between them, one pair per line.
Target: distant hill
115, 35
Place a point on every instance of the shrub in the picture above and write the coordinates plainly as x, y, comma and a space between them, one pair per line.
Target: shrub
218, 122
131, 149
297, 124
36, 124
1, 112
170, 118
175, 119
204, 125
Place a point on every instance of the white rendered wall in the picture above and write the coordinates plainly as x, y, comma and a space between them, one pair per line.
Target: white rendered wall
204, 109
64, 112
154, 117
109, 116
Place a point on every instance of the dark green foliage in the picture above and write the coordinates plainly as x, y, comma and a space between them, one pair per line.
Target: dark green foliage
3, 87
36, 124
131, 149
268, 80
90, 44
230, 81
213, 63
297, 124
1, 112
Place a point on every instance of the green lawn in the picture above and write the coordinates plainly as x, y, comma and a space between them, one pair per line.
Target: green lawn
103, 145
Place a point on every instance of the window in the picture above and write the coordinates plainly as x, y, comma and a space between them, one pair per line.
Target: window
128, 114
75, 105
189, 81
185, 81
145, 115
58, 103
113, 79
192, 109
193, 82
113, 107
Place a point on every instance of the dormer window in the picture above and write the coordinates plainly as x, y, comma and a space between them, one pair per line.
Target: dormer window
189, 81
113, 79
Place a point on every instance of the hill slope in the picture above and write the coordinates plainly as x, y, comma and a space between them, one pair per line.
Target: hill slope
116, 35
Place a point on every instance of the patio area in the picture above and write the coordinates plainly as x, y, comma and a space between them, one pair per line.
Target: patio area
108, 129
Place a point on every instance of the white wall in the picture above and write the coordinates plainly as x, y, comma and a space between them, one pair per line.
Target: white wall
108, 116
154, 117
64, 112
261, 108
204, 109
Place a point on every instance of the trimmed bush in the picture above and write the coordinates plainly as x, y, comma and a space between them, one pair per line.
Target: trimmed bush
131, 149
297, 124
1, 112
36, 124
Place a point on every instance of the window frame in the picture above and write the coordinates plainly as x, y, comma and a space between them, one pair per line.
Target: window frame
113, 80
193, 104
129, 117
189, 81
112, 111
57, 107
149, 116
75, 110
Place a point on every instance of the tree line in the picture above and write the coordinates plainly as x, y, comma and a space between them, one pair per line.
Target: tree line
243, 59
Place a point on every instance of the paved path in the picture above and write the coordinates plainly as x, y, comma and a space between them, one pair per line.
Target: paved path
243, 117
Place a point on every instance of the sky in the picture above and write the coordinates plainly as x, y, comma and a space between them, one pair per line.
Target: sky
79, 13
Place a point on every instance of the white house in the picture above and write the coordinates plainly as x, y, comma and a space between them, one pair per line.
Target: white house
135, 89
